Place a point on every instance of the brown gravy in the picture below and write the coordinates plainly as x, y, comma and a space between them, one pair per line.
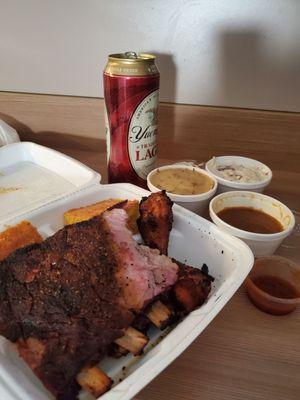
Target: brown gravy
276, 287
182, 181
251, 220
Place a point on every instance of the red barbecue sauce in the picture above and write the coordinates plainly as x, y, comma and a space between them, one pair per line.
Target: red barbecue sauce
276, 286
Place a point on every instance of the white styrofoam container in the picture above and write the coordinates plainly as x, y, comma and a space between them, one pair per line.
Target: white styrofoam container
193, 240
37, 176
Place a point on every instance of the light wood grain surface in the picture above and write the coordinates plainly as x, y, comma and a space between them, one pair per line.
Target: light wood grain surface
244, 353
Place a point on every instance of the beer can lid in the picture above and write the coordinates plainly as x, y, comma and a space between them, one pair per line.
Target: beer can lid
131, 63
131, 57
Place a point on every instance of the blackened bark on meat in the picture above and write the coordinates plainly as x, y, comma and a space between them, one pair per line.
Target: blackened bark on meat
192, 287
155, 221
64, 293
78, 292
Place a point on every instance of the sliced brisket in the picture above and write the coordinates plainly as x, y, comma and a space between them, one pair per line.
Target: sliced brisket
75, 293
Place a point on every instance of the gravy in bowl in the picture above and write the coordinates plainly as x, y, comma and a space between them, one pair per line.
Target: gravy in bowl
250, 220
182, 181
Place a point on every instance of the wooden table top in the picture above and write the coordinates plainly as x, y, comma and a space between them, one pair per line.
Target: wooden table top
244, 353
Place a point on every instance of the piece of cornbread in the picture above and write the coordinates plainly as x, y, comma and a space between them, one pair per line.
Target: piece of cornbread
18, 236
92, 210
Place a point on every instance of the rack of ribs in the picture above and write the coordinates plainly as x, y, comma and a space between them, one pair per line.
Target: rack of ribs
92, 290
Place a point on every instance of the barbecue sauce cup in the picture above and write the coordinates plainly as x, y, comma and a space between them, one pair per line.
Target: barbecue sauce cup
273, 285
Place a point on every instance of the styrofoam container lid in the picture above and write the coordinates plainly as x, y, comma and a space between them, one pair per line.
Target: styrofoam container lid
32, 176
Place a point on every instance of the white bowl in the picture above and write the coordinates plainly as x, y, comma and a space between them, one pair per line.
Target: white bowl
196, 203
225, 185
261, 244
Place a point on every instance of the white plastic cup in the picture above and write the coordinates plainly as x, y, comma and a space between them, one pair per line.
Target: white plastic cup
197, 203
261, 244
225, 185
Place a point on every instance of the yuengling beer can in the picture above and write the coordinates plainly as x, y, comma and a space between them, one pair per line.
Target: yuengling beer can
131, 83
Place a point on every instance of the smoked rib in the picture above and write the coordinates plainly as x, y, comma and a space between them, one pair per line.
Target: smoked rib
76, 293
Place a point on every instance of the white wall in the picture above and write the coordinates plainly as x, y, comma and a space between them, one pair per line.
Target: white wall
242, 53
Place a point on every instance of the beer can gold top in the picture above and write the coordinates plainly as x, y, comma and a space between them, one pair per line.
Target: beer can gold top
131, 64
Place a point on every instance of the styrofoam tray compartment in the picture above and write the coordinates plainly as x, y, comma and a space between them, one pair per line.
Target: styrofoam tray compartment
32, 176
193, 240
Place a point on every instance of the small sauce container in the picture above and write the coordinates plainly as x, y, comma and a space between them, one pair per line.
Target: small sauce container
196, 203
239, 173
262, 244
273, 285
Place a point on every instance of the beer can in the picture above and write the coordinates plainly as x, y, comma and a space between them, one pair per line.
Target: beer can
131, 84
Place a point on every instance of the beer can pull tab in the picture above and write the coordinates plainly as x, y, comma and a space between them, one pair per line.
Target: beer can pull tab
131, 54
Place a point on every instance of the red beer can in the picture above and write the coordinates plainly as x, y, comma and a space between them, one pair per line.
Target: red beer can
131, 83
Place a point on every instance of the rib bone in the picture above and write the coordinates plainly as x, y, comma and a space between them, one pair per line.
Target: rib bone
94, 381
160, 315
133, 341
